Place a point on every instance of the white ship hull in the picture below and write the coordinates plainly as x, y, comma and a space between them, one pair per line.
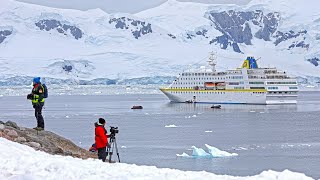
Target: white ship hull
228, 97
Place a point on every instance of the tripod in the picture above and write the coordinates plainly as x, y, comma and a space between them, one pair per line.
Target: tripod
111, 146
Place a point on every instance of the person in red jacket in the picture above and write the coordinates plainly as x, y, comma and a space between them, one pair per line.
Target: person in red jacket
101, 139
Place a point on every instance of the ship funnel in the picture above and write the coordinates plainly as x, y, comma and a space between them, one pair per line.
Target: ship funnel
250, 63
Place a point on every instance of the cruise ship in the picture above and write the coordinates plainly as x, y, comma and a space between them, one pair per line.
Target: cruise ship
249, 84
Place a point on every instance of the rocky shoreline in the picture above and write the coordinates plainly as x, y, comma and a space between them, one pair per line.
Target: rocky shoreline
46, 141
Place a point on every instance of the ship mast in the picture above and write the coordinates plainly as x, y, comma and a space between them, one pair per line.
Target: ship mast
212, 61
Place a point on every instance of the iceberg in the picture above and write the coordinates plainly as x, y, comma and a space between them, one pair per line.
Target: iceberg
213, 152
183, 155
171, 126
199, 152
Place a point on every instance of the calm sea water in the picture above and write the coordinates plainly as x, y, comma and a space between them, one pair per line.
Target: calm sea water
265, 137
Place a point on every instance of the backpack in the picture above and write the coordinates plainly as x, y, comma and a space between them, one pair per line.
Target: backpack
45, 93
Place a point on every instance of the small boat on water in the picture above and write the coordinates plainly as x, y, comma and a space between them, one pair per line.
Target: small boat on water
137, 107
216, 106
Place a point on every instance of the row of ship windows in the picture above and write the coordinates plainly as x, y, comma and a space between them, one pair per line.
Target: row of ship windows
230, 83
281, 82
213, 92
198, 83
238, 83
284, 92
201, 78
278, 88
210, 78
198, 92
250, 88
202, 74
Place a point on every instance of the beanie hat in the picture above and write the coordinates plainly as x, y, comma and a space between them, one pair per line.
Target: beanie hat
101, 121
36, 80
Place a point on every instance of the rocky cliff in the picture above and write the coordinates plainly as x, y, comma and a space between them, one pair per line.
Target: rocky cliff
43, 140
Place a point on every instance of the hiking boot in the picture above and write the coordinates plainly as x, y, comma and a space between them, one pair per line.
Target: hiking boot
38, 128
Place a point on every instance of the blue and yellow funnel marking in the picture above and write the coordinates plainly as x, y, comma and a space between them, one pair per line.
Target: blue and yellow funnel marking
250, 63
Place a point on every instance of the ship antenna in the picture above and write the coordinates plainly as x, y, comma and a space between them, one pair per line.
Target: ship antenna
212, 61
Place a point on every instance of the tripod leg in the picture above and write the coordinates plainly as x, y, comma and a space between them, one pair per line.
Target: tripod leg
111, 152
115, 142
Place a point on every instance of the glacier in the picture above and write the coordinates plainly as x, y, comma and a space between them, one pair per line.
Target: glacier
155, 45
26, 166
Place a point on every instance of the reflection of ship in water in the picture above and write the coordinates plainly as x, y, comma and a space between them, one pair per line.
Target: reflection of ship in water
229, 108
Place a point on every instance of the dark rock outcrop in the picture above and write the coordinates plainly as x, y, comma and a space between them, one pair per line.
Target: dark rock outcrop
284, 36
235, 27
315, 61
140, 27
43, 140
52, 24
172, 36
202, 32
12, 124
67, 68
4, 34
269, 25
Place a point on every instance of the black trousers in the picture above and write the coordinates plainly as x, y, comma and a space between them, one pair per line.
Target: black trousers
102, 154
38, 115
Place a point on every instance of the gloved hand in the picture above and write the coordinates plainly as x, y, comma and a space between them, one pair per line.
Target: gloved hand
30, 96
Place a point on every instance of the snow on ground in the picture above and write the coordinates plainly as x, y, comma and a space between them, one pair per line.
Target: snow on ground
22, 162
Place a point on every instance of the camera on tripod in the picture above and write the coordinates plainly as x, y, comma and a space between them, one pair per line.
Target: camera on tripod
113, 143
114, 130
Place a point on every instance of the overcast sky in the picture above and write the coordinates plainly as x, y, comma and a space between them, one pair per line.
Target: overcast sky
130, 6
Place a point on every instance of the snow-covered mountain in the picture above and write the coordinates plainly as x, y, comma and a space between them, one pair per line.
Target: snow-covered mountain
93, 47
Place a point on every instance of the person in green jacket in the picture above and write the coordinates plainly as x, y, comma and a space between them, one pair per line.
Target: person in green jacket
37, 98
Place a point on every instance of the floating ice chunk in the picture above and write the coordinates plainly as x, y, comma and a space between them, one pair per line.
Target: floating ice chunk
183, 155
306, 145
241, 148
215, 152
208, 131
67, 116
194, 116
199, 152
171, 126
98, 92
187, 117
146, 113
123, 147
252, 111
262, 112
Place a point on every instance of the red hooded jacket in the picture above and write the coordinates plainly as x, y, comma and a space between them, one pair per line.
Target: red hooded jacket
101, 137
